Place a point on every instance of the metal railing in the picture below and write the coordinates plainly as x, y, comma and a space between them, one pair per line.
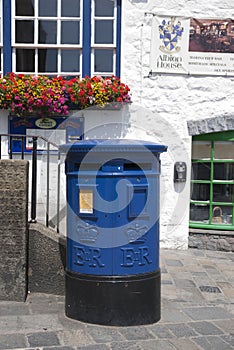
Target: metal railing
33, 156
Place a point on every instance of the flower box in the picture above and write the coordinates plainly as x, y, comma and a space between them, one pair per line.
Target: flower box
42, 96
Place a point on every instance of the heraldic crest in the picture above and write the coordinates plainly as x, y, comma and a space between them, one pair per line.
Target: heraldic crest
170, 34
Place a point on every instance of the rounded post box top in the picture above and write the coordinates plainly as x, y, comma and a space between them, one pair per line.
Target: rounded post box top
112, 145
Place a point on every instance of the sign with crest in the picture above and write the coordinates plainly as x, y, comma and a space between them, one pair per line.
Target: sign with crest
186, 45
170, 32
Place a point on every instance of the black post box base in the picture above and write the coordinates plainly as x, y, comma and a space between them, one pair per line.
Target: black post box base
116, 301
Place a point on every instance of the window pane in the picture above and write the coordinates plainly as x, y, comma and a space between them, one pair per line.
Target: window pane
103, 61
104, 8
224, 150
223, 171
222, 193
70, 32
201, 171
48, 8
103, 32
25, 60
47, 60
24, 7
200, 192
222, 215
201, 150
24, 32
199, 212
47, 32
70, 8
70, 60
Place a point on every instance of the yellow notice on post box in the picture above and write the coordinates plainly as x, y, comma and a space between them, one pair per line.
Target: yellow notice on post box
86, 201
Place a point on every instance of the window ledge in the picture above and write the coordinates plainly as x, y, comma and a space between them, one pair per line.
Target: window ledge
211, 232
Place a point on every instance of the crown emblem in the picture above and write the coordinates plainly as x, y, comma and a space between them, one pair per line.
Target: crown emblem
135, 233
87, 234
170, 33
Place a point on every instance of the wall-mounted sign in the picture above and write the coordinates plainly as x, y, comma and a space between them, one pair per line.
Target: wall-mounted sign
192, 46
57, 130
45, 123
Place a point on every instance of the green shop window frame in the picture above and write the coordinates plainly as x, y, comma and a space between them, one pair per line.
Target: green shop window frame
207, 184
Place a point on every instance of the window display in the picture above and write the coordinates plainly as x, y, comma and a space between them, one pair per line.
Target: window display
212, 181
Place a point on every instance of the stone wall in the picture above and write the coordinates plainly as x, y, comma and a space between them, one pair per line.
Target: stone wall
13, 229
211, 240
46, 260
208, 125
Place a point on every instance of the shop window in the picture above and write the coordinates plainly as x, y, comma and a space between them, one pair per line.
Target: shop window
212, 181
66, 37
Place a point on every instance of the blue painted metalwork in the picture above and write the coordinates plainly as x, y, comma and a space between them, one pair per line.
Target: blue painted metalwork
86, 50
118, 39
74, 127
7, 51
117, 233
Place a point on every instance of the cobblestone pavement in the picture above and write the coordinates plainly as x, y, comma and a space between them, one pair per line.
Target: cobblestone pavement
197, 313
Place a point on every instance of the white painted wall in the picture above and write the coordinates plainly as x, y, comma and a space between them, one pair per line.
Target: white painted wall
162, 107
168, 101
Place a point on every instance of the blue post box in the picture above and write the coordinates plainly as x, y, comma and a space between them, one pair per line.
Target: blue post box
113, 273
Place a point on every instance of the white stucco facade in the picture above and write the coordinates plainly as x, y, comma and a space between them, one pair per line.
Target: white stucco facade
163, 105
168, 101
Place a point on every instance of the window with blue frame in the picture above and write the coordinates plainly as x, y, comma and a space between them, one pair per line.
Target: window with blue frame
63, 37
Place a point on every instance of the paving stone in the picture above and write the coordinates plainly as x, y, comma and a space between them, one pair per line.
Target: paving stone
58, 348
45, 305
125, 346
205, 328
172, 262
192, 295
184, 344
136, 333
228, 339
43, 339
207, 313
94, 347
26, 324
166, 282
163, 270
104, 334
226, 325
161, 331
212, 343
174, 316
11, 308
12, 341
74, 337
183, 283
181, 330
199, 274
211, 269
157, 344
69, 323
209, 317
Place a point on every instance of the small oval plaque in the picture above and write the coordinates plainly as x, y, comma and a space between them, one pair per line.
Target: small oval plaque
45, 123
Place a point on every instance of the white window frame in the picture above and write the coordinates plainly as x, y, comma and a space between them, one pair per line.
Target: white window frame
36, 46
103, 46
